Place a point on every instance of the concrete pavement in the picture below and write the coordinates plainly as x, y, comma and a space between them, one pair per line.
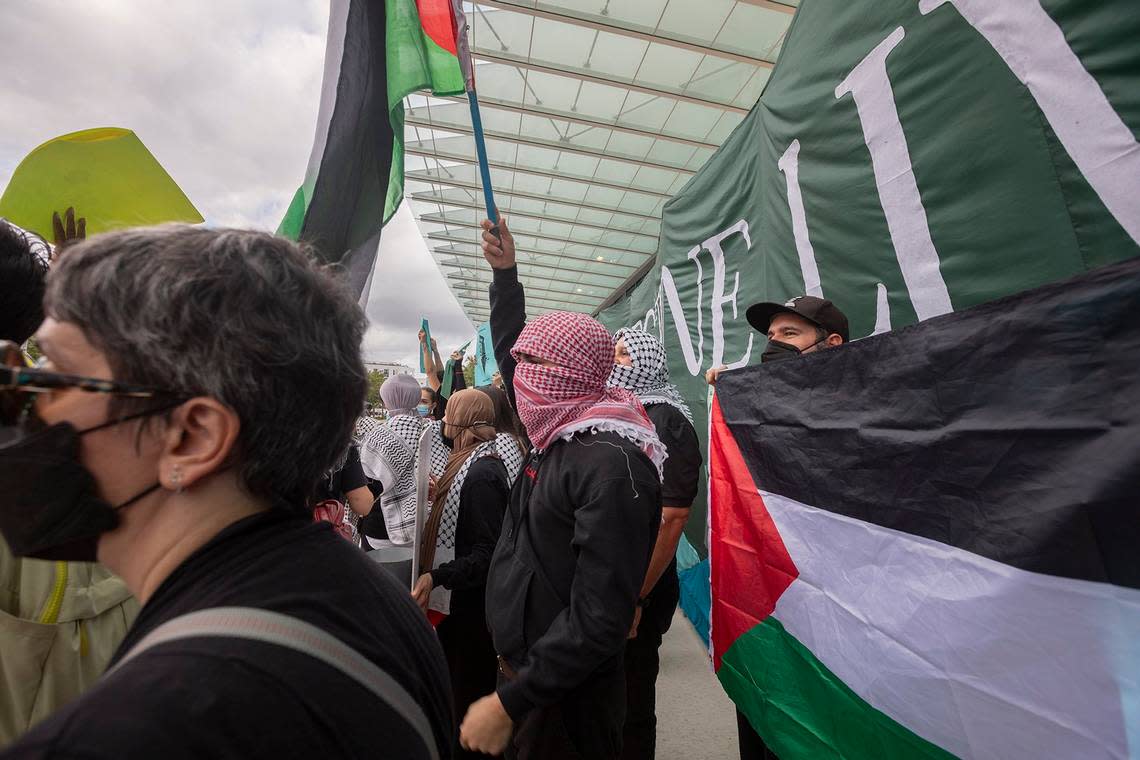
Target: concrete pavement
695, 718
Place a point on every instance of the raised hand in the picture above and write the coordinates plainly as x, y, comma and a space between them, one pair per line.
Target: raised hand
499, 251
68, 231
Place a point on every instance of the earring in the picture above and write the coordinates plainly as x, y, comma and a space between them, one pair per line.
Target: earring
176, 479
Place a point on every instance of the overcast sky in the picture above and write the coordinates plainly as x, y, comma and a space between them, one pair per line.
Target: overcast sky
224, 93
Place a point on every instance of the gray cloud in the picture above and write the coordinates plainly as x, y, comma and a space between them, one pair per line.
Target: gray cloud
225, 94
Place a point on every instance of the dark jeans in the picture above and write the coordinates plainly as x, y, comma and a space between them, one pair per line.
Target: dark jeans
642, 663
585, 725
752, 747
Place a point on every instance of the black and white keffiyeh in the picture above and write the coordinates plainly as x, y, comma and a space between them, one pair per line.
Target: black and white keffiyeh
512, 455
648, 376
440, 451
388, 454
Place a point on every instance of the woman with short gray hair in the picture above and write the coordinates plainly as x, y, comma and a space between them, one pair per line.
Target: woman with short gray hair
198, 384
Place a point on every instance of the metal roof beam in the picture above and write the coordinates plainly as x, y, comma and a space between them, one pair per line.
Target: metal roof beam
523, 233
491, 57
544, 278
624, 30
564, 147
772, 5
524, 266
431, 179
462, 159
556, 302
630, 283
455, 203
529, 288
532, 251
531, 109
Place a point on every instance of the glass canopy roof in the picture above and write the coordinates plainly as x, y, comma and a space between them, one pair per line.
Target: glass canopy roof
595, 113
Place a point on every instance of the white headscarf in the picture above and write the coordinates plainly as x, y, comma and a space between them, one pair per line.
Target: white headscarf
400, 394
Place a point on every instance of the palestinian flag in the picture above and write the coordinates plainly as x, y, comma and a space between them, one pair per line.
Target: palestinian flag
927, 543
378, 52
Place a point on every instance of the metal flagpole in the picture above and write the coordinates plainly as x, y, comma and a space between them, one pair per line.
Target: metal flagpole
465, 64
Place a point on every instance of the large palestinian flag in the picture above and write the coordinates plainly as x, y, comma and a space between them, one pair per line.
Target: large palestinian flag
927, 543
378, 52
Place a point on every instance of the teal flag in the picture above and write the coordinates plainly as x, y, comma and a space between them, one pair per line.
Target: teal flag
485, 364
427, 341
907, 158
449, 371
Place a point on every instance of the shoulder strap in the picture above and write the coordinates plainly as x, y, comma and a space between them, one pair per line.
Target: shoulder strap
286, 631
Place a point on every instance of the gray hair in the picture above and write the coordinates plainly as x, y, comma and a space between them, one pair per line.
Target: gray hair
243, 317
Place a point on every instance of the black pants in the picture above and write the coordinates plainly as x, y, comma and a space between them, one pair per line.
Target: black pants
471, 663
752, 747
585, 725
642, 664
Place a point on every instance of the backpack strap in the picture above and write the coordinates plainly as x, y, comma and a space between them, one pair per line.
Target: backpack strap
287, 631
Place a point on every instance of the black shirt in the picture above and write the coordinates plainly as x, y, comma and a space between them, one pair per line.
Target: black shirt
682, 470
679, 486
348, 478
228, 697
579, 532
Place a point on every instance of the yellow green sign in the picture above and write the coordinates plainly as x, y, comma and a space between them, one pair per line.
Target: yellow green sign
107, 174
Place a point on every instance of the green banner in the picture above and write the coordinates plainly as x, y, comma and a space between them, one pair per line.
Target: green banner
907, 158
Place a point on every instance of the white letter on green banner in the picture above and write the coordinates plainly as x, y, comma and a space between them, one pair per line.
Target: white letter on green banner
894, 176
789, 164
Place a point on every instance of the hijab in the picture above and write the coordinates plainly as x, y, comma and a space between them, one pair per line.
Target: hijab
400, 394
648, 376
555, 402
470, 423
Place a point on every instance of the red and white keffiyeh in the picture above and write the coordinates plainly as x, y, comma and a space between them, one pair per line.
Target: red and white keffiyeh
557, 402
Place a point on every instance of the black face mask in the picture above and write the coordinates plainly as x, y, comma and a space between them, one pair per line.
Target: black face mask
449, 441
49, 507
777, 350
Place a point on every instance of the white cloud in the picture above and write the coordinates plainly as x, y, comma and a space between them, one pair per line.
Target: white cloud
406, 286
224, 93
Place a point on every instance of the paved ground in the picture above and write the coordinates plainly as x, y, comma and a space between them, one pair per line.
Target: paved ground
695, 719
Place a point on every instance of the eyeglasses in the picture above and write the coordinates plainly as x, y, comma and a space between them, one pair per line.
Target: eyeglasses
17, 381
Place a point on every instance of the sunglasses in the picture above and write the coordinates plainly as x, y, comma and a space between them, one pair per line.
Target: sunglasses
20, 383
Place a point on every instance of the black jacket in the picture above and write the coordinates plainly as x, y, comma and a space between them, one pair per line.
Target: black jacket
229, 697
576, 542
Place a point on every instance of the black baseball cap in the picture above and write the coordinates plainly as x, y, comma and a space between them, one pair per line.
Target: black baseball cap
819, 311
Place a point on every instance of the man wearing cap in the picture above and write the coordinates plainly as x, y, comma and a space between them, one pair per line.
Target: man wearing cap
800, 326
803, 325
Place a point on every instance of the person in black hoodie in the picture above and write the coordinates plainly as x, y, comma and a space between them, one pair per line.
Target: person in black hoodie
577, 539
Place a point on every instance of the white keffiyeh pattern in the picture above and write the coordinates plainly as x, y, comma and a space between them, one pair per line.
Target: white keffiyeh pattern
388, 454
512, 456
648, 376
506, 445
440, 451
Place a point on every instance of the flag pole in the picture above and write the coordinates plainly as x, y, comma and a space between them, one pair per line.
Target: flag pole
465, 64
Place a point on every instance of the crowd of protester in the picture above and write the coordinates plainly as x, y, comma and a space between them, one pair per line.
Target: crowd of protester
211, 550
